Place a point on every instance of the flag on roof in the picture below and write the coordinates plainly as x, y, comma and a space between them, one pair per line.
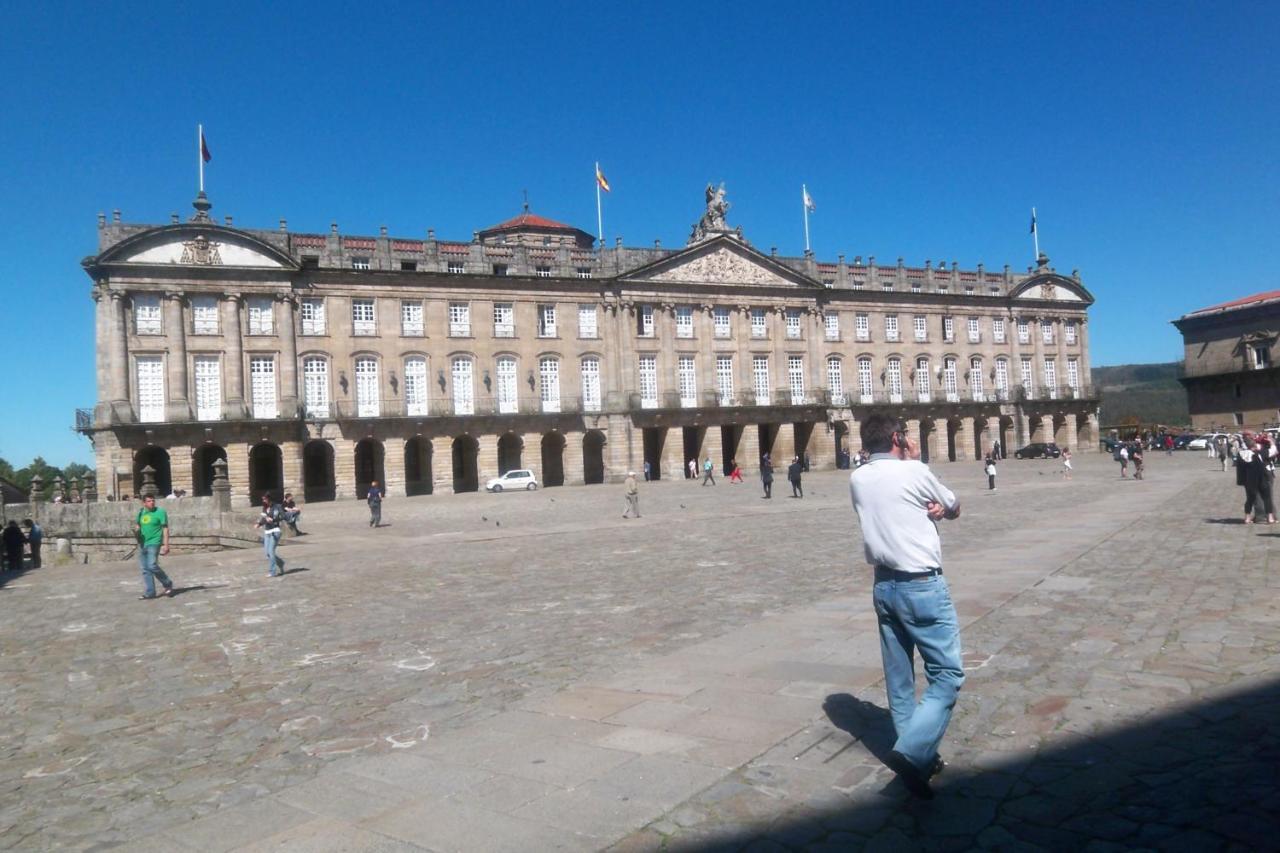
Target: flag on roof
204, 148
1033, 221
601, 180
808, 200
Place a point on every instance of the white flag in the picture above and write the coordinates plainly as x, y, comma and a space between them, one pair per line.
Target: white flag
808, 200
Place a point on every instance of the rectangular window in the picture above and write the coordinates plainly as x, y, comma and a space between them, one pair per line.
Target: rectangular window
948, 329
411, 318
312, 311
792, 318
924, 382
315, 386
949, 385
150, 369
916, 287
760, 379
886, 285
1028, 378
1261, 356
261, 319
208, 371
864, 380
408, 266
688, 379
795, 379
1002, 379
204, 315
1046, 331
684, 321
363, 321
262, 386
146, 314
893, 379
464, 400
415, 385
507, 402
891, 327
1051, 378
920, 325
587, 322
591, 384
549, 384
645, 318
1073, 376
457, 267
504, 325
997, 329
722, 323
1069, 331
546, 321
360, 262
459, 320
975, 331
831, 323
835, 381
583, 272
542, 272
862, 327
758, 327
976, 383
648, 382
1024, 332
724, 379
500, 269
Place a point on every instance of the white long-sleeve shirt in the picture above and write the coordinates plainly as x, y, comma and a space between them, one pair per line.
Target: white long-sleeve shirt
890, 496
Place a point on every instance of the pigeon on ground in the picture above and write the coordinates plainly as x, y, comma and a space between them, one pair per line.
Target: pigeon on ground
499, 523
682, 506
484, 518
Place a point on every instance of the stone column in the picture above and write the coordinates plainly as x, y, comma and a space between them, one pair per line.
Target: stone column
119, 359
176, 405
743, 388
712, 446
291, 465
1037, 364
749, 451
913, 430
1090, 446
180, 460
392, 466
238, 469
1086, 378
964, 440
614, 388
670, 463
442, 465
1023, 424
853, 439
233, 365
574, 473
937, 440
621, 449
102, 339
1069, 437
289, 356
993, 432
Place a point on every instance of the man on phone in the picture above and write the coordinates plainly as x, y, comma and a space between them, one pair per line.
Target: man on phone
899, 501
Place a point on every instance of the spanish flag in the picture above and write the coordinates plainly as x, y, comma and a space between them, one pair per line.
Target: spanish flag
601, 180
204, 147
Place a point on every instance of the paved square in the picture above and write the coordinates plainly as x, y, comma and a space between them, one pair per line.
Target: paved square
530, 671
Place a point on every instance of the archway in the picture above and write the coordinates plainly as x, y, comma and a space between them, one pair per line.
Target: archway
1085, 438
691, 447
953, 427
1060, 430
593, 457
318, 483
158, 459
266, 472
466, 478
981, 438
1006, 429
730, 436
510, 448
927, 438
202, 468
842, 444
802, 433
767, 433
369, 466
417, 466
553, 459
654, 439
1037, 428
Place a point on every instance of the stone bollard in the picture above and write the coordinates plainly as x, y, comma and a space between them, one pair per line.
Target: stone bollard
221, 486
62, 546
76, 492
59, 490
37, 489
90, 488
148, 482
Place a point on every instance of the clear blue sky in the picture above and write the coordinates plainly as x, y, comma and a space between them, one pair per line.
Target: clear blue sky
1146, 136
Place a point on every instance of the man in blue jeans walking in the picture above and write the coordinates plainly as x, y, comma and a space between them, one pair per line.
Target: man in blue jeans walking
151, 526
899, 501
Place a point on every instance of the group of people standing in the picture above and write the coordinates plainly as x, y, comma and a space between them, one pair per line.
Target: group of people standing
17, 539
1256, 472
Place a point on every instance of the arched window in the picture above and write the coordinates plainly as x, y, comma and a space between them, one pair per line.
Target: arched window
977, 383
415, 385
1002, 378
893, 379
590, 384
835, 379
367, 403
924, 383
864, 379
949, 379
315, 386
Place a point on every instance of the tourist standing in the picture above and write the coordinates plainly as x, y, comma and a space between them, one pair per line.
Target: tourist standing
1123, 455
631, 489
708, 472
898, 501
1138, 461
1258, 478
647, 471
269, 522
693, 470
1168, 445
1066, 462
989, 466
374, 499
151, 526
766, 475
35, 537
794, 471
13, 542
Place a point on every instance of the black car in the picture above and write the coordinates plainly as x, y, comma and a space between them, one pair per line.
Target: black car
1038, 450
1181, 442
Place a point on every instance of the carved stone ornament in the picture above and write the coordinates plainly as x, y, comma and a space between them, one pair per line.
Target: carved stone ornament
201, 252
1048, 290
713, 220
721, 267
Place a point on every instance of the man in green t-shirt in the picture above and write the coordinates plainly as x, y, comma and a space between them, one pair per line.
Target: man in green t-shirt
151, 526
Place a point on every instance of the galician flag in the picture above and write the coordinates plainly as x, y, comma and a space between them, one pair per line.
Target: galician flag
601, 180
808, 200
204, 148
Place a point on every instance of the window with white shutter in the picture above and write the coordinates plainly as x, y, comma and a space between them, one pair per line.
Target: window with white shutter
262, 386
208, 370
368, 404
204, 315
464, 401
591, 383
315, 386
150, 372
508, 403
146, 314
415, 385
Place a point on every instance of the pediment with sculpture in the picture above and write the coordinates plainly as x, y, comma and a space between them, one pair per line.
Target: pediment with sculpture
198, 246
721, 260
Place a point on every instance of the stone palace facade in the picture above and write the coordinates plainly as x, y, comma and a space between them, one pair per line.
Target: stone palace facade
1231, 376
316, 363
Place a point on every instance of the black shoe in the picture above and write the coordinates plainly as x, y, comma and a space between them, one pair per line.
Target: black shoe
915, 780
937, 767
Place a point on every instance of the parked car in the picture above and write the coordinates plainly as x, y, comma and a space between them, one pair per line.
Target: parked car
1202, 442
1038, 450
1181, 442
519, 478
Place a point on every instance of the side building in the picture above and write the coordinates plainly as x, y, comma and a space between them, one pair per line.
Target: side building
316, 363
1231, 379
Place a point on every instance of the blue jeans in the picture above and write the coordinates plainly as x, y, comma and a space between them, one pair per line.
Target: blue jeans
919, 615
269, 542
149, 559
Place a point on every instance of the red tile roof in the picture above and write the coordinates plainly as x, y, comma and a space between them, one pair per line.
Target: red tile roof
1242, 302
531, 220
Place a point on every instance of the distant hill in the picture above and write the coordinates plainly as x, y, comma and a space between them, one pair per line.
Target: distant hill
1149, 393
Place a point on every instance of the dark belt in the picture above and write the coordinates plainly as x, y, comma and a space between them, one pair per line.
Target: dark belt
884, 573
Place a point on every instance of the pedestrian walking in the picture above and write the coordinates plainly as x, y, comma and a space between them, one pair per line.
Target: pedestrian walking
794, 470
708, 472
995, 450
735, 473
35, 538
1066, 462
898, 501
1139, 461
13, 542
631, 489
989, 465
693, 470
374, 498
1223, 452
1122, 454
269, 523
766, 475
1259, 475
1168, 445
151, 527
647, 471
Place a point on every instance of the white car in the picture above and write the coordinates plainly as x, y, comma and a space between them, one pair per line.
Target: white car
520, 478
1203, 442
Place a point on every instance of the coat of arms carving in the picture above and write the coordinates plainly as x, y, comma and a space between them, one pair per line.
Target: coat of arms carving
1048, 290
201, 251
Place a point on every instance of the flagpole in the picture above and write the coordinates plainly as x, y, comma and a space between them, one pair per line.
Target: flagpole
200, 152
804, 203
599, 210
1035, 232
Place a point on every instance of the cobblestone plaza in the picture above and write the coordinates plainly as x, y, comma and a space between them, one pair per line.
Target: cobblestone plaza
531, 672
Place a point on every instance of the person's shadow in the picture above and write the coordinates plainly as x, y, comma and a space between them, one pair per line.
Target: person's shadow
864, 721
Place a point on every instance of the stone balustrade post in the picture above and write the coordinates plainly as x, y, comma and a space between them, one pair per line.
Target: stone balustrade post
148, 482
221, 486
37, 489
90, 488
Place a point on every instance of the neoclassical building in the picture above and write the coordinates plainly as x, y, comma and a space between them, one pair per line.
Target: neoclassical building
315, 363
